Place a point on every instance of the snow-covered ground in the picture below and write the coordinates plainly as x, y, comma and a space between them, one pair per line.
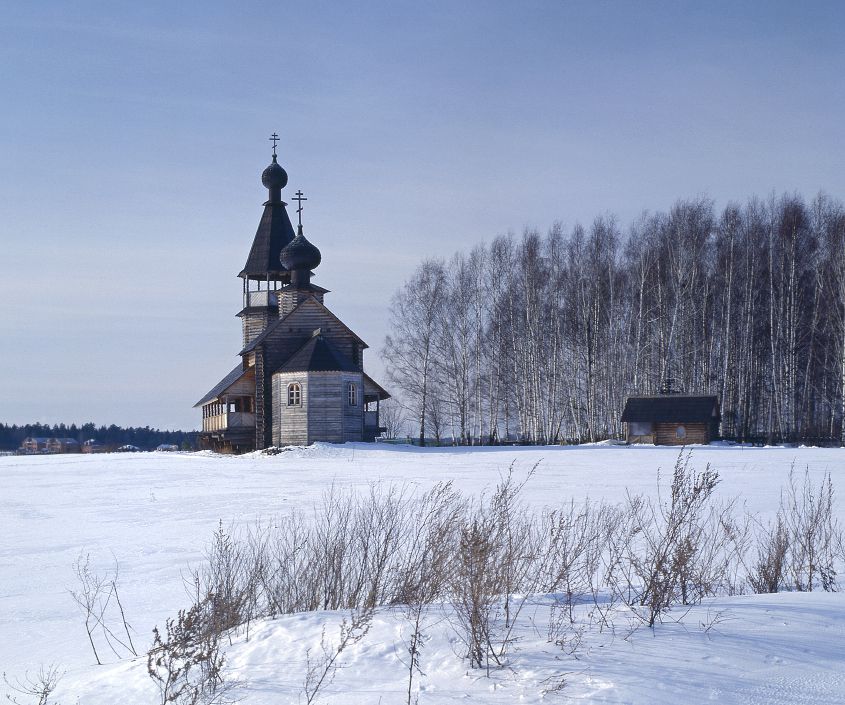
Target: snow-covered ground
155, 512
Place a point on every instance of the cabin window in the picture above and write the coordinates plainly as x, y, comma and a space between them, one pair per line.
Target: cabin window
640, 428
352, 393
294, 394
680, 433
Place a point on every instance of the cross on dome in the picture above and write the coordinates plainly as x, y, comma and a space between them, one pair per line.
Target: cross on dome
274, 138
299, 198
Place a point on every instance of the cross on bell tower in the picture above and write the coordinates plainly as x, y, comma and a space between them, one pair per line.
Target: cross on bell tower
274, 138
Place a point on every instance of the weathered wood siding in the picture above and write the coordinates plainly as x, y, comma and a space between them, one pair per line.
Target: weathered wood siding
310, 316
244, 387
294, 331
290, 423
254, 321
324, 414
289, 300
330, 417
666, 434
263, 401
353, 416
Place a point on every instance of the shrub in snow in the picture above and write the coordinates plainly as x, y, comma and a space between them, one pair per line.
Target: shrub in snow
186, 664
321, 669
801, 548
36, 687
815, 538
98, 598
479, 563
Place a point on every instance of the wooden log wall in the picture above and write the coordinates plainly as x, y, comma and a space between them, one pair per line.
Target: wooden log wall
667, 433
254, 321
290, 423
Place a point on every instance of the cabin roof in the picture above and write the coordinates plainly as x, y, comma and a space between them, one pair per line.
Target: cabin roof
672, 408
222, 385
318, 355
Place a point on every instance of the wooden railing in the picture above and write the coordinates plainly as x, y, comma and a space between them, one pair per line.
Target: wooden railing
261, 298
232, 419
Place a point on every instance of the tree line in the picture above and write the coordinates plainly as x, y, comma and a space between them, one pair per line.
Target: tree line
541, 337
146, 438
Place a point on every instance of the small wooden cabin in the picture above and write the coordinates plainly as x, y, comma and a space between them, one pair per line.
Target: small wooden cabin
671, 419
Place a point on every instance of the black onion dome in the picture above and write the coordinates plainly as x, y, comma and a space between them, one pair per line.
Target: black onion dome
299, 254
274, 176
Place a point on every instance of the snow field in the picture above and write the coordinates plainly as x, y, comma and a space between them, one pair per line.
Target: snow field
156, 512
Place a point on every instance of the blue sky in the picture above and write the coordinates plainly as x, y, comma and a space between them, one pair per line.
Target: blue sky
133, 135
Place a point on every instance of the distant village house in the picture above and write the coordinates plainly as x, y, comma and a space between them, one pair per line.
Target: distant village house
35, 444
40, 444
63, 445
93, 446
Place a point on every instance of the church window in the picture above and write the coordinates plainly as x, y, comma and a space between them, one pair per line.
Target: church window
294, 394
352, 392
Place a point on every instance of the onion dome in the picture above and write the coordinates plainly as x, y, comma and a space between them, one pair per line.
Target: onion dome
274, 176
300, 255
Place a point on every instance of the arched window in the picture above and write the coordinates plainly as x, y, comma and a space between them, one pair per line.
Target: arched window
352, 392
680, 433
294, 394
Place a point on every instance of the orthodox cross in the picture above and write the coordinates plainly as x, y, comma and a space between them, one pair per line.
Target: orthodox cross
299, 198
274, 138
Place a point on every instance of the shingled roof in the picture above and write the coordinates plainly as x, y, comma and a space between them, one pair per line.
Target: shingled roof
318, 355
374, 386
223, 385
672, 408
285, 320
274, 233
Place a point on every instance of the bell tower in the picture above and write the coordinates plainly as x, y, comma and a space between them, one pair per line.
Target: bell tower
263, 274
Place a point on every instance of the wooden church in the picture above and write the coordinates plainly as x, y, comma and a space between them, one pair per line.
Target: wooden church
301, 375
